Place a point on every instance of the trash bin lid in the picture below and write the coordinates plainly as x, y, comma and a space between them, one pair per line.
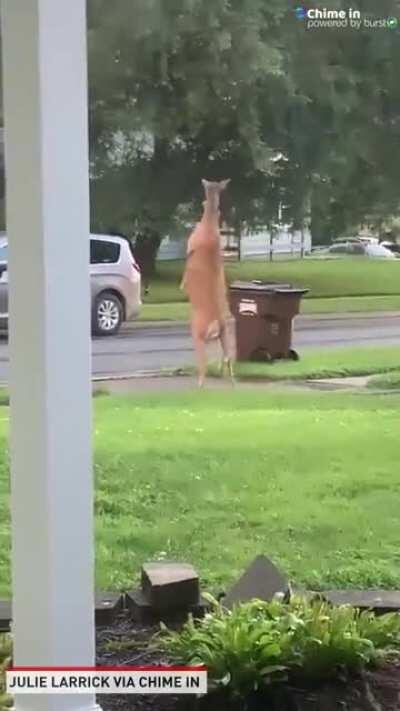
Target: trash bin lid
292, 291
259, 285
267, 287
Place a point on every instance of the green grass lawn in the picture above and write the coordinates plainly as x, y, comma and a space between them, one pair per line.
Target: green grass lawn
218, 477
330, 278
321, 363
179, 311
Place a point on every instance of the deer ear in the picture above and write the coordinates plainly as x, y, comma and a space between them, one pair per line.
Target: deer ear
224, 183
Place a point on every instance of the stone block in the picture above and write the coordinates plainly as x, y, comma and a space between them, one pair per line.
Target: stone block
168, 585
380, 601
262, 580
108, 607
144, 613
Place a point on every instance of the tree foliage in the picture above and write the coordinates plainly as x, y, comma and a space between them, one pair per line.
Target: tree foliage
178, 85
186, 89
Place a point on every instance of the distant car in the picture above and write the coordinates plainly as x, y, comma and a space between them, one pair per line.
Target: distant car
378, 251
392, 247
354, 247
318, 248
359, 239
369, 240
114, 279
345, 240
351, 247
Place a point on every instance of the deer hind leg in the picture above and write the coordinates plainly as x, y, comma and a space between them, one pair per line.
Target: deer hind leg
227, 360
199, 342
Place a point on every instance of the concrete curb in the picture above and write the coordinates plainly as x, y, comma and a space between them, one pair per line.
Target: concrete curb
158, 324
139, 374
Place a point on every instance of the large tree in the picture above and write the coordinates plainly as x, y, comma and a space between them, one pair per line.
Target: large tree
191, 88
184, 89
175, 97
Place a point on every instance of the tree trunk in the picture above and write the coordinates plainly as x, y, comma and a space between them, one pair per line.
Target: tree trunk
146, 248
302, 243
271, 244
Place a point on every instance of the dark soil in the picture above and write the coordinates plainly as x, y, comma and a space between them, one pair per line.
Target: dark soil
377, 690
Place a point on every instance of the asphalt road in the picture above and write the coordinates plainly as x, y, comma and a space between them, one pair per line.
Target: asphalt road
141, 348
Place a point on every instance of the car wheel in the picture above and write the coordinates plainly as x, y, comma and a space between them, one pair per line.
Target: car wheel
107, 315
293, 355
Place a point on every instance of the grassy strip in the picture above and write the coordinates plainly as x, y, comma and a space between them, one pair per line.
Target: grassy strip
388, 381
173, 311
331, 278
179, 311
332, 363
321, 363
351, 304
217, 477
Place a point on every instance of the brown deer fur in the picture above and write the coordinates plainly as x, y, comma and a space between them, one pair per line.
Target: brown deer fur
205, 285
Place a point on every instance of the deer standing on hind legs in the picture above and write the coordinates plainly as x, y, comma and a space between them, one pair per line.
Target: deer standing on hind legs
205, 285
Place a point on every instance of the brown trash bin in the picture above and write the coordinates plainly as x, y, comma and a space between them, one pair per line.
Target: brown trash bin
264, 313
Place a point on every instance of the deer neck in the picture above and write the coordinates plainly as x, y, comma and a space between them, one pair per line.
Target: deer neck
211, 210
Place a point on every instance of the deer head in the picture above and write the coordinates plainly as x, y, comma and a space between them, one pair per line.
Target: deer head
215, 187
213, 191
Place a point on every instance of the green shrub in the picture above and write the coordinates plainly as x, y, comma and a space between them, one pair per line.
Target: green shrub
5, 660
257, 644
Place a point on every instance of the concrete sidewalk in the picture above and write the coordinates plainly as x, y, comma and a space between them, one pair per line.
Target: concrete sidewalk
132, 386
182, 383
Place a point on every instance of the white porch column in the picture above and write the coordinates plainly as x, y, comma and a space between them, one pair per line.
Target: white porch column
45, 85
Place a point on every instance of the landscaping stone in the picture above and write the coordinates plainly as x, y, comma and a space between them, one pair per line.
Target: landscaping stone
380, 601
262, 580
5, 615
142, 611
108, 607
168, 585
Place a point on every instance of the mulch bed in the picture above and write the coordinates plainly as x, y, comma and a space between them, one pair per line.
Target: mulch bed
376, 691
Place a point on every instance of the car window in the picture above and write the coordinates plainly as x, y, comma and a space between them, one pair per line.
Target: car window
338, 249
4, 253
356, 248
104, 252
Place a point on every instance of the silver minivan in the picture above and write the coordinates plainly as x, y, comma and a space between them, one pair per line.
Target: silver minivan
114, 278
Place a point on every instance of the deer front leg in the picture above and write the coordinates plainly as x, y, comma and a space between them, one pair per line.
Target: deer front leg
222, 368
227, 369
